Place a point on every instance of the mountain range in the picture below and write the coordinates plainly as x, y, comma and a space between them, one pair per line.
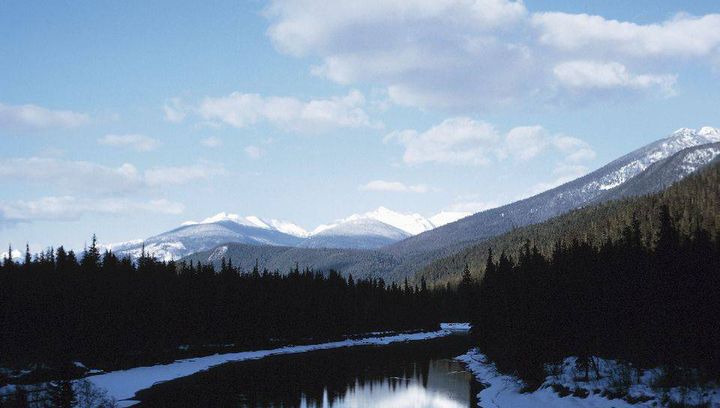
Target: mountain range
370, 230
394, 245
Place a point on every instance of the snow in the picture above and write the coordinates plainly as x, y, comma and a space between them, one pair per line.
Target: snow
446, 217
257, 222
455, 326
699, 157
359, 227
413, 224
504, 391
124, 384
709, 131
15, 255
289, 228
679, 140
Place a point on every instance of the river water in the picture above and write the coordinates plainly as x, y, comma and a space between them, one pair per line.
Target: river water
420, 374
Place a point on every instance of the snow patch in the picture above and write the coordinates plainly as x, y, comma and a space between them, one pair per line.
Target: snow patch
455, 326
124, 384
616, 379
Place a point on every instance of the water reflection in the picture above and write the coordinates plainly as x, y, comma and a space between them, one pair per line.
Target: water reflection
411, 375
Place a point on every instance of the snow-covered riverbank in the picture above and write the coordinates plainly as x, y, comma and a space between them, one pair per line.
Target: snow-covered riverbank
503, 391
122, 385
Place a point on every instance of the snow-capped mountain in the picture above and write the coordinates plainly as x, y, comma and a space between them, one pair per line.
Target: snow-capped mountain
195, 237
662, 174
646, 170
253, 221
417, 239
412, 224
634, 163
600, 185
373, 229
355, 232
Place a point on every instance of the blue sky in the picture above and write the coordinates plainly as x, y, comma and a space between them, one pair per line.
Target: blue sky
127, 118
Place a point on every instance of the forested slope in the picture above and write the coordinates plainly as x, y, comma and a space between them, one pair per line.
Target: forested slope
694, 201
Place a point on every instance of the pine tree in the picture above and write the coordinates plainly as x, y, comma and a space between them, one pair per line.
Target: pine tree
61, 394
9, 260
28, 256
91, 257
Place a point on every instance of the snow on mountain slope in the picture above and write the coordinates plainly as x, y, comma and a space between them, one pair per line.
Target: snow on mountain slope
597, 186
412, 224
368, 230
253, 221
446, 217
196, 237
355, 232
289, 228
641, 159
664, 173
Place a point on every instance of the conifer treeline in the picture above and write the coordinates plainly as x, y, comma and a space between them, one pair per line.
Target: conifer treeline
104, 310
652, 300
693, 201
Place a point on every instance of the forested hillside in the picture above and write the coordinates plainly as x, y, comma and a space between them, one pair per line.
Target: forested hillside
107, 311
692, 202
361, 263
648, 297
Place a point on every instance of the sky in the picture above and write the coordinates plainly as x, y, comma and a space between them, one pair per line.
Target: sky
127, 118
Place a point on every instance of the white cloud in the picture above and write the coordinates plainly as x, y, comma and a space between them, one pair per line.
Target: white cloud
302, 27
462, 140
69, 175
140, 143
71, 208
681, 36
456, 140
591, 74
393, 186
88, 177
526, 142
576, 150
316, 115
253, 152
164, 176
33, 117
471, 55
211, 142
426, 53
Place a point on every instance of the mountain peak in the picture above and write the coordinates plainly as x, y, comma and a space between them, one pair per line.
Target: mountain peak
412, 224
709, 131
708, 134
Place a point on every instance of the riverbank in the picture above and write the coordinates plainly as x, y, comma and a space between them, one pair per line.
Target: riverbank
122, 385
615, 385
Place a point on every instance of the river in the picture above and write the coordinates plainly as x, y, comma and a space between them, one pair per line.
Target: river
419, 374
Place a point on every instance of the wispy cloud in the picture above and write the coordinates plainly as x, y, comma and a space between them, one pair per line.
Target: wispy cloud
174, 110
34, 117
67, 208
393, 186
465, 141
140, 143
94, 178
253, 152
242, 110
211, 142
